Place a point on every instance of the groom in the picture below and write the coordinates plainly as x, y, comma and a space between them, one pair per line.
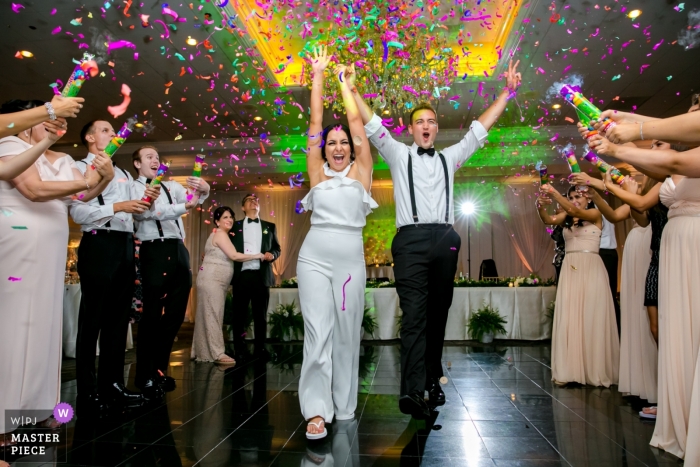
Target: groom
426, 247
252, 280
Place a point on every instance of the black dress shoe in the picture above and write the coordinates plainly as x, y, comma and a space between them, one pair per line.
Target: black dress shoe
415, 406
151, 391
92, 405
121, 395
166, 383
436, 396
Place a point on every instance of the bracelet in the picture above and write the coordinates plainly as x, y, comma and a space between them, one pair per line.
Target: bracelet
641, 133
87, 184
605, 187
49, 109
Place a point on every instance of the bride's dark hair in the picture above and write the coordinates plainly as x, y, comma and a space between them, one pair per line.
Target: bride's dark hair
324, 137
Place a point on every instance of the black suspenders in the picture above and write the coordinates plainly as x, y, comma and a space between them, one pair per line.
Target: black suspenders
100, 199
170, 200
414, 210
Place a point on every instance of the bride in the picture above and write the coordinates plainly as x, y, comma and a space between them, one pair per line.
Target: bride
332, 279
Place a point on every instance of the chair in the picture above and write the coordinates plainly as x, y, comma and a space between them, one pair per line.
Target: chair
488, 269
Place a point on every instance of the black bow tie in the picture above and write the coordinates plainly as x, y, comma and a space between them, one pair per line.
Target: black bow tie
257, 221
430, 152
148, 181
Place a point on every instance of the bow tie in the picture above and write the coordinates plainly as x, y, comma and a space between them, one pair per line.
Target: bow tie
430, 152
257, 221
148, 181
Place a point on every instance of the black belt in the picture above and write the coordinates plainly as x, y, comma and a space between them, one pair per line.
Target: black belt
112, 233
424, 226
162, 240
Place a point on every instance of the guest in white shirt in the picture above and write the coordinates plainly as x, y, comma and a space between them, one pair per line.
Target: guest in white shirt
426, 248
107, 274
165, 270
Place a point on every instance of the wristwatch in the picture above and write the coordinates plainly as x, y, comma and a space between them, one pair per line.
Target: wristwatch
49, 109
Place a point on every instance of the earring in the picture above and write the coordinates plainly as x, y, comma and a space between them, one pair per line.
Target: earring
26, 133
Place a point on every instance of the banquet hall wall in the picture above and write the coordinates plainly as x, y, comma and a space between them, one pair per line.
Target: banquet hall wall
505, 228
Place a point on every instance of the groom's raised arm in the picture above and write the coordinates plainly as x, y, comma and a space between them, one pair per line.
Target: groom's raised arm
377, 133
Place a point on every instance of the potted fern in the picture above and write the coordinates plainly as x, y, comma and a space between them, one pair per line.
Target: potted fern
286, 322
484, 323
369, 322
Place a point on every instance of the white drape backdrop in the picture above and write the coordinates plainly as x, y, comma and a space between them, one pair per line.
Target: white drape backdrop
512, 235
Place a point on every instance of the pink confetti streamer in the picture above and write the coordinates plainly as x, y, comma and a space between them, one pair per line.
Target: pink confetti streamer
169, 12
166, 34
119, 44
17, 279
57, 30
120, 109
346, 283
16, 7
475, 18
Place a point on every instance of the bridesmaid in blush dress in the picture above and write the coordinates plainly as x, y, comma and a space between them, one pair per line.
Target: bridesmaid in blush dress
679, 318
585, 346
33, 248
213, 280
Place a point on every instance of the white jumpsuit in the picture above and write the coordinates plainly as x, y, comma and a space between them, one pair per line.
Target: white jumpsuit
331, 275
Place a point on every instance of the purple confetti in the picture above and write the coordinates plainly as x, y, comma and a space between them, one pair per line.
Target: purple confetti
346, 283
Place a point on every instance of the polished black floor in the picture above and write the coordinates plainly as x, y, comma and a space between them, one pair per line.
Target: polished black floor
501, 410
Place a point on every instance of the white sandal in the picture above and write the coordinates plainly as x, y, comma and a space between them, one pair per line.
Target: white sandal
317, 435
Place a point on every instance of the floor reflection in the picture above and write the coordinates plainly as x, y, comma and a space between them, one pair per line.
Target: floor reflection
501, 410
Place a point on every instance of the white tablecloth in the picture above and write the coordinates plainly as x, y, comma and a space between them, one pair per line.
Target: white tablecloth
524, 309
71, 307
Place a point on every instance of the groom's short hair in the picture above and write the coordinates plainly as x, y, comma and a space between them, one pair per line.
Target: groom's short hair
422, 106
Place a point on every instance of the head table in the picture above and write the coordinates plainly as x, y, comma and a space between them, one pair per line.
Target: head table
524, 309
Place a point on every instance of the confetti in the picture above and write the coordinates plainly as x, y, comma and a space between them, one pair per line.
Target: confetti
346, 283
14, 279
121, 108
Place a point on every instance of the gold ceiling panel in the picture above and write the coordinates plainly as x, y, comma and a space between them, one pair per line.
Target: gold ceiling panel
477, 31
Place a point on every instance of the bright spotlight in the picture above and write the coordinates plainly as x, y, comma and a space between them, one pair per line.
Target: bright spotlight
468, 208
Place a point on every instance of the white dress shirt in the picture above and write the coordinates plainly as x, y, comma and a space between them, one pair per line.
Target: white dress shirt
161, 210
94, 215
428, 172
607, 238
252, 242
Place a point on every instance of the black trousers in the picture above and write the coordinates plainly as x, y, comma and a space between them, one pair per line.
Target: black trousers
557, 273
425, 263
249, 288
107, 274
166, 280
610, 260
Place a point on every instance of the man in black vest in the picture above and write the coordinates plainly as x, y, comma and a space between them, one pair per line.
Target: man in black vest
252, 280
426, 247
106, 268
